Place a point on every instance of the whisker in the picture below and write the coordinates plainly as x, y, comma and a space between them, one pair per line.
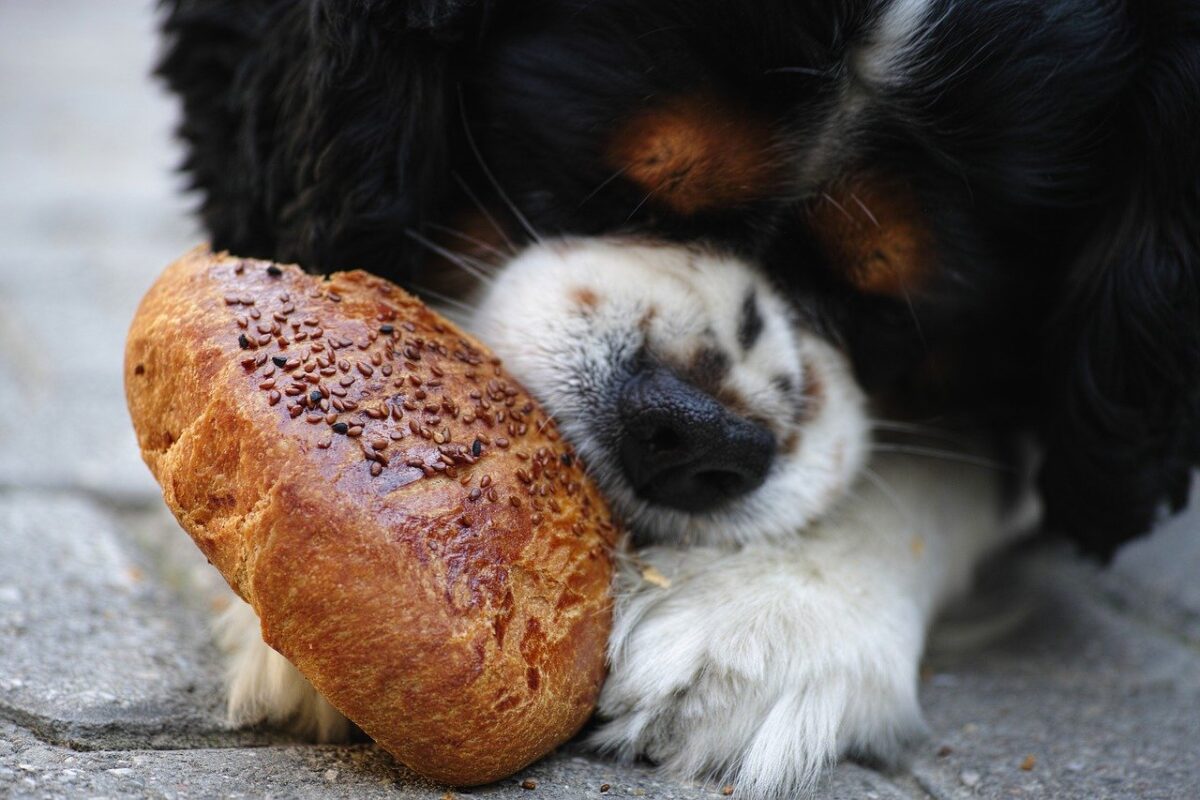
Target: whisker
866, 210
462, 110
838, 206
638, 207
912, 312
886, 490
905, 427
512, 248
480, 243
927, 432
603, 183
944, 455
424, 291
460, 260
819, 73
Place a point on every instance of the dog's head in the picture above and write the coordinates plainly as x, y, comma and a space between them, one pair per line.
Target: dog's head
721, 223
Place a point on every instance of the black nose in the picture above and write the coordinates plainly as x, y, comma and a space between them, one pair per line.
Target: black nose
682, 449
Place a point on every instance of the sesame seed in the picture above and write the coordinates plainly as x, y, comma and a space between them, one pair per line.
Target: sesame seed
386, 329
476, 448
475, 494
376, 468
243, 341
502, 442
279, 361
274, 271
314, 396
355, 430
273, 397
340, 427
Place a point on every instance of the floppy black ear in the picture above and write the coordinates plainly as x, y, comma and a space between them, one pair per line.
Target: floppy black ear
318, 131
1123, 353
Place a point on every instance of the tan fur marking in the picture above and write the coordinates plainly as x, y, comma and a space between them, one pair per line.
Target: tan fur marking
697, 153
585, 298
871, 228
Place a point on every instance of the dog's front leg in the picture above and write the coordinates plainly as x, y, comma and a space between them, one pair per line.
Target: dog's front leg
760, 665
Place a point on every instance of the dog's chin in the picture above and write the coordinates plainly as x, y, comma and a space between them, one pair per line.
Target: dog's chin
571, 318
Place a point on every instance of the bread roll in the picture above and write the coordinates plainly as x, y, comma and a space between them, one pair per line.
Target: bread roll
413, 533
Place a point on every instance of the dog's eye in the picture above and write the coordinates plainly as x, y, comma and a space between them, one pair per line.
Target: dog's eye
871, 230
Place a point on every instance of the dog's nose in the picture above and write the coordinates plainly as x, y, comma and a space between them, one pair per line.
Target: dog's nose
682, 449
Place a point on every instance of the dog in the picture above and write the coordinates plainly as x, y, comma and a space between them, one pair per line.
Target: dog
834, 298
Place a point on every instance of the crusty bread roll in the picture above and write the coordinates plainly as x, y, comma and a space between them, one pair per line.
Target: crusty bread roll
406, 521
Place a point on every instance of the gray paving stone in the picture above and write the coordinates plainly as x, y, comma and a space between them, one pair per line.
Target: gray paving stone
89, 214
97, 653
1080, 701
33, 769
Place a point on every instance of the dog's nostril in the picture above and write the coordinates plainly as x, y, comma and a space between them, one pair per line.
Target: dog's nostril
664, 440
681, 448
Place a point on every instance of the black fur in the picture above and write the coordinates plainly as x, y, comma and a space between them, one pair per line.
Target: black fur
1051, 145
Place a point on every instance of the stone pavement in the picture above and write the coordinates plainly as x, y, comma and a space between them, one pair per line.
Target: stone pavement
109, 679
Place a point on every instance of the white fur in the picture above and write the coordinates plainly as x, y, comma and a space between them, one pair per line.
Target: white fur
788, 629
882, 61
573, 358
760, 665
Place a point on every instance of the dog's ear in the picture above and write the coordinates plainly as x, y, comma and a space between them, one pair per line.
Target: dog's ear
1122, 357
319, 131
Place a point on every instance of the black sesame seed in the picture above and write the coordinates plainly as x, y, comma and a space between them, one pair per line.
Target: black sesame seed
315, 397
476, 448
340, 427
386, 329
566, 459
274, 271
278, 361
243, 341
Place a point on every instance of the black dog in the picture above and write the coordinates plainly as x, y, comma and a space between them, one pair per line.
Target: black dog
989, 211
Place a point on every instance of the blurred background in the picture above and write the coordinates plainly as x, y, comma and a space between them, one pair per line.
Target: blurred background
109, 681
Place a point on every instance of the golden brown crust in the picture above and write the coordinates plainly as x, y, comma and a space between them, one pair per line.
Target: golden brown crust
439, 571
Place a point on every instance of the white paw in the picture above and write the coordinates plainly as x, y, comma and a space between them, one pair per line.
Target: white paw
759, 669
263, 686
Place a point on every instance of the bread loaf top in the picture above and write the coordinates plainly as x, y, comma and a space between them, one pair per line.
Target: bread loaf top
414, 534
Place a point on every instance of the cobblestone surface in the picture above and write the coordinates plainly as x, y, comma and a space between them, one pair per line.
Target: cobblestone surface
109, 680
